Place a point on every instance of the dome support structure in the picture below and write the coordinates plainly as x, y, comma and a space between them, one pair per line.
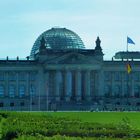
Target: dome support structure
42, 47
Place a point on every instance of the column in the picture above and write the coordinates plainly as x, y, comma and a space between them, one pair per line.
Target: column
17, 85
132, 85
47, 84
123, 84
47, 90
58, 82
27, 93
87, 85
101, 84
68, 85
6, 84
41, 82
112, 84
78, 85
96, 87
41, 90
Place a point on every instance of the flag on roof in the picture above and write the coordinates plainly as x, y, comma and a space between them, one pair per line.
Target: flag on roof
129, 69
130, 41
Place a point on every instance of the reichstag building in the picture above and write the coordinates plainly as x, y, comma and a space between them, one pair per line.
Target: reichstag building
61, 74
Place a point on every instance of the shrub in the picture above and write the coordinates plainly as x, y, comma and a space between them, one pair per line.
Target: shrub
22, 125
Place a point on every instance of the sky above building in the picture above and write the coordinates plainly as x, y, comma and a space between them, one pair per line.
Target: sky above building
21, 22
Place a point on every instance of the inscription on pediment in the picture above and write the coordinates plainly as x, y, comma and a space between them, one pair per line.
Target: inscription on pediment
73, 58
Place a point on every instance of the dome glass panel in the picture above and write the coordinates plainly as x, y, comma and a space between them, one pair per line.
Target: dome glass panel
58, 38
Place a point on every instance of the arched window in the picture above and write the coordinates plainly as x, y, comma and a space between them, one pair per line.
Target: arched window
11, 91
21, 91
32, 90
1, 90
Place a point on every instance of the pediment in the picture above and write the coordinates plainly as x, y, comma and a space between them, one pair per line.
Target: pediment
73, 58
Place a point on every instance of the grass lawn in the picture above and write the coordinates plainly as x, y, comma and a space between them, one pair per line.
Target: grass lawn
101, 117
41, 125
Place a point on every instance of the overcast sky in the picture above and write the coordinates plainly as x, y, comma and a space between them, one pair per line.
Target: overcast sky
21, 22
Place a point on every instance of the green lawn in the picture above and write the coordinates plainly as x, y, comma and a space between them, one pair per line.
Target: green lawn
102, 117
88, 125
99, 117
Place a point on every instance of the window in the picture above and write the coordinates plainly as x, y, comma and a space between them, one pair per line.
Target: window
1, 90
117, 76
22, 76
107, 76
138, 104
32, 90
33, 103
126, 90
21, 91
32, 76
1, 104
136, 76
136, 91
107, 90
128, 103
22, 104
1, 76
117, 103
12, 76
117, 91
11, 104
11, 91
126, 76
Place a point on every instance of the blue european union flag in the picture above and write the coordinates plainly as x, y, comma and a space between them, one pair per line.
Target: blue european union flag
130, 41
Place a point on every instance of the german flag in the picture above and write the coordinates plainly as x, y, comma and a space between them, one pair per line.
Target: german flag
128, 66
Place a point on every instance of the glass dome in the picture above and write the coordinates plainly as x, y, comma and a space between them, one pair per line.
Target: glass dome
58, 38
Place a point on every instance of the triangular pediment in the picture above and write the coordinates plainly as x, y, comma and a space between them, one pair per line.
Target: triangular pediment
73, 58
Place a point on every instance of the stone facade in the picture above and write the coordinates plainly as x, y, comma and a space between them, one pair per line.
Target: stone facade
69, 80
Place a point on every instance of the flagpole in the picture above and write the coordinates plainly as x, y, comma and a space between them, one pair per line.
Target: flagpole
129, 40
127, 46
127, 84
